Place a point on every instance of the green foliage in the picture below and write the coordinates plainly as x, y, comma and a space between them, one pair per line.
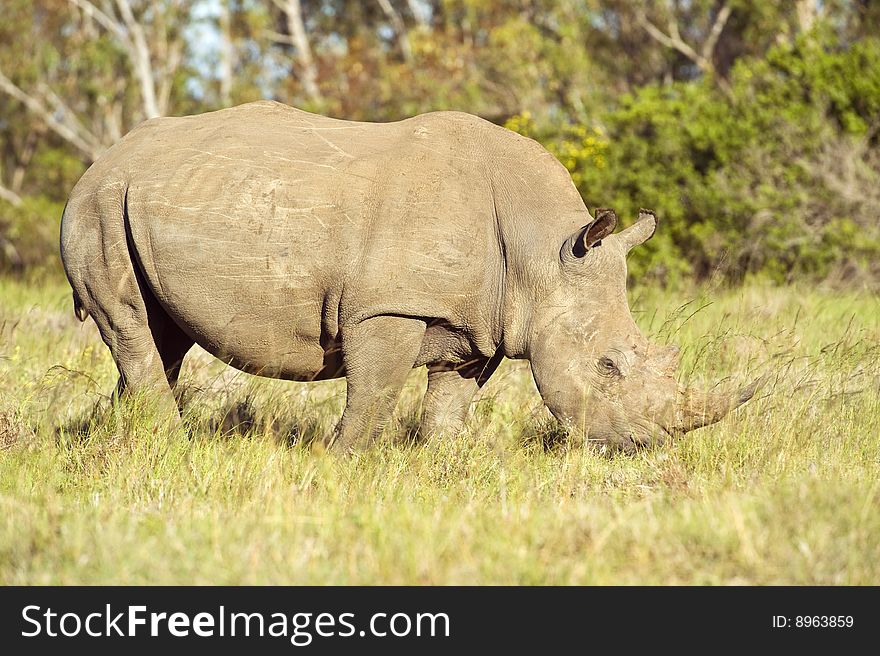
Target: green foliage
757, 143
29, 236
57, 171
778, 177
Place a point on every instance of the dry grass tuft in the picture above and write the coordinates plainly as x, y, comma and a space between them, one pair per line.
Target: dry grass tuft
11, 429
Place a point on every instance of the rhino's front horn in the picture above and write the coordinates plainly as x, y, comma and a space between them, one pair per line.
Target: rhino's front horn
699, 409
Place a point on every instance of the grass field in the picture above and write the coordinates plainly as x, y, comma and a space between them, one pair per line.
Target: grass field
786, 490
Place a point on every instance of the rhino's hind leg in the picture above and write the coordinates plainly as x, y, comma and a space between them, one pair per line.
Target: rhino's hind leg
140, 365
171, 343
105, 276
145, 344
378, 353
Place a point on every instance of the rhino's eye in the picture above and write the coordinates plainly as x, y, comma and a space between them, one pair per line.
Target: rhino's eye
607, 367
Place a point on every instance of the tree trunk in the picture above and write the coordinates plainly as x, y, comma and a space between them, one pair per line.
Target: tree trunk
399, 27
226, 54
308, 70
139, 52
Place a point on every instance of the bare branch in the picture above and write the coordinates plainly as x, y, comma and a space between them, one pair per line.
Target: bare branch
715, 32
10, 196
417, 12
674, 40
308, 73
172, 63
399, 27
24, 158
110, 24
277, 37
83, 140
807, 13
60, 108
130, 35
227, 54
140, 54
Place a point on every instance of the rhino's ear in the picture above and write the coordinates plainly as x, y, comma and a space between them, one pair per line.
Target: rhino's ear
591, 235
640, 231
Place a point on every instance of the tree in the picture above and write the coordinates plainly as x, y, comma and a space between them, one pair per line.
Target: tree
112, 44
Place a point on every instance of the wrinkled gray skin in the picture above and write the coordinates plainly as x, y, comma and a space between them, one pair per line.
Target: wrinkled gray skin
302, 247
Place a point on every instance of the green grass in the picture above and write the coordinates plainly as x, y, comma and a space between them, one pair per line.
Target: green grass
786, 490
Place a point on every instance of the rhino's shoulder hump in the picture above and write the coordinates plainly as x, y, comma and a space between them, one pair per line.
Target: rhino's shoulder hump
274, 110
454, 123
467, 133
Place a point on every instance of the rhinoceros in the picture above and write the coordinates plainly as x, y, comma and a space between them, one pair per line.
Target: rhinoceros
302, 247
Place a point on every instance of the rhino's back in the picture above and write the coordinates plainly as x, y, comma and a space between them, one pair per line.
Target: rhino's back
262, 228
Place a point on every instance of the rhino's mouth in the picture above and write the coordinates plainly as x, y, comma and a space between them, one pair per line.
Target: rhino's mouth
631, 436
656, 436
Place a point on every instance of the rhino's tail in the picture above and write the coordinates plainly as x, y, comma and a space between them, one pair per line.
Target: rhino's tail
81, 313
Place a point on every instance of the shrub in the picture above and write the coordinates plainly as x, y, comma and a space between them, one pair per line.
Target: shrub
779, 177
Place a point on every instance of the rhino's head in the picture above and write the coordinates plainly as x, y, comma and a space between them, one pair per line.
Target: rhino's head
594, 369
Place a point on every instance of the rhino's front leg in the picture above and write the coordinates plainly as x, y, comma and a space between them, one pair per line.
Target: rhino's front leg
447, 401
378, 354
449, 395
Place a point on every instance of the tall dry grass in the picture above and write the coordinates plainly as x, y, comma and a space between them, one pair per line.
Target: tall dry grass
784, 491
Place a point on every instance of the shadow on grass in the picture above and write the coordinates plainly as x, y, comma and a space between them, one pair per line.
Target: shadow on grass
407, 431
234, 418
544, 434
242, 418
77, 428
